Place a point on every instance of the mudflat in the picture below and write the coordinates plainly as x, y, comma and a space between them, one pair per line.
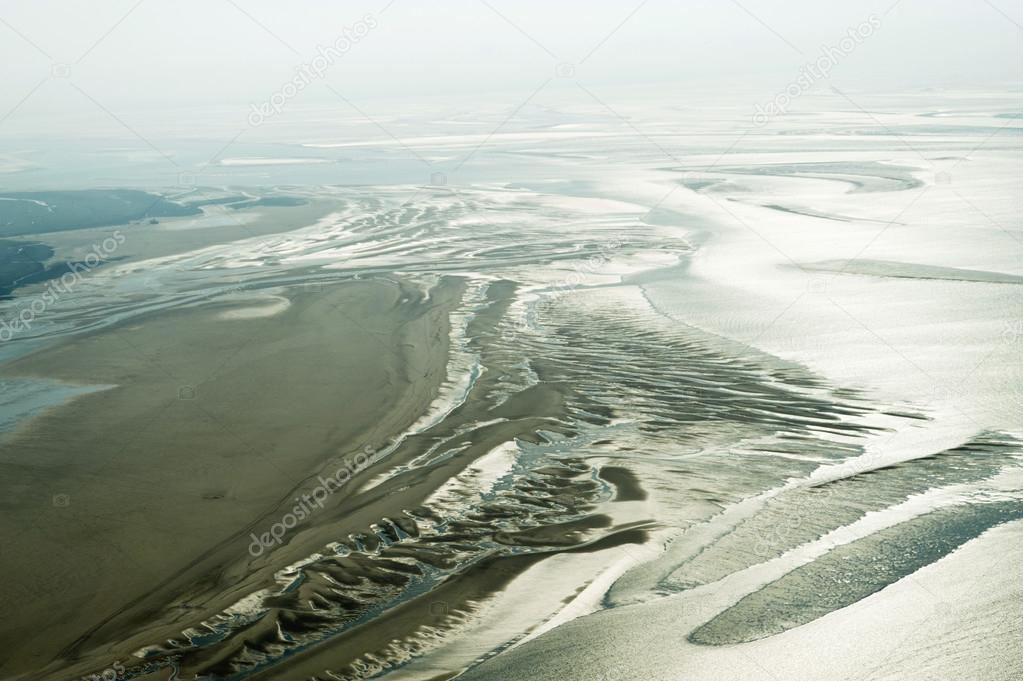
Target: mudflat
147, 493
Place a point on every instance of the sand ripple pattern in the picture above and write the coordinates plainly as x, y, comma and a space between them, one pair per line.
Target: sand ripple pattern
566, 393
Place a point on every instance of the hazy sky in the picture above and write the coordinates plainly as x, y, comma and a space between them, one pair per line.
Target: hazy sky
125, 56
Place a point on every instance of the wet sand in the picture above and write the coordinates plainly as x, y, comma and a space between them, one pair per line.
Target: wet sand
663, 456
408, 537
126, 501
171, 236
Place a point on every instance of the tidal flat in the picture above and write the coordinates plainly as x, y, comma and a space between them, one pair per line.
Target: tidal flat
581, 412
160, 479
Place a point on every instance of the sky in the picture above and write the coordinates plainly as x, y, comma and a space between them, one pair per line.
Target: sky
131, 59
